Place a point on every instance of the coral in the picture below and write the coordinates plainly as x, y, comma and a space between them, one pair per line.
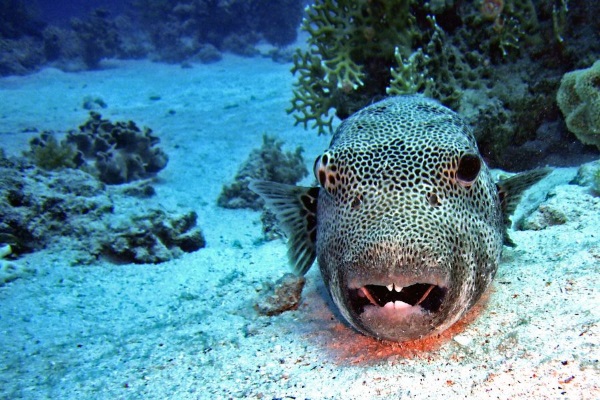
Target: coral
351, 48
589, 175
283, 295
48, 153
579, 100
39, 206
545, 216
207, 53
117, 152
268, 163
179, 29
17, 20
68, 209
114, 152
361, 51
20, 56
93, 103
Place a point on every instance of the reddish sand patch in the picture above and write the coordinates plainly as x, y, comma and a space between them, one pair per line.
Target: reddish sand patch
345, 346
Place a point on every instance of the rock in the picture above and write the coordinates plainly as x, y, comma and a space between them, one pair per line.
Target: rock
282, 296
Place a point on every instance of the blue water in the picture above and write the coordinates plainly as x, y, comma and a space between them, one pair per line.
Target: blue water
60, 12
102, 295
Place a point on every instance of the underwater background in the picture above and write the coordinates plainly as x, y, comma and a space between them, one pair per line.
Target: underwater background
136, 263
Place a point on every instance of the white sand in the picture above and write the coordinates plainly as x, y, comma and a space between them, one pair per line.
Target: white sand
186, 329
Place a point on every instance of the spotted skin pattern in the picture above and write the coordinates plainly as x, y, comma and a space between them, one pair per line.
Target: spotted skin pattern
395, 209
406, 223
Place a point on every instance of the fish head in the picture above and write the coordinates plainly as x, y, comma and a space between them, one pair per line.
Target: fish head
409, 226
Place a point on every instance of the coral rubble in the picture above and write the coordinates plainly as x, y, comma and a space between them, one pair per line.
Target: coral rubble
283, 295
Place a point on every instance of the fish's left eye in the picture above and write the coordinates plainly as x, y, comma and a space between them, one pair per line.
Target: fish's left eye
468, 169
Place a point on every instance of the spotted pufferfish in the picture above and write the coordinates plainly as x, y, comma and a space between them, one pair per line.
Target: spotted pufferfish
406, 222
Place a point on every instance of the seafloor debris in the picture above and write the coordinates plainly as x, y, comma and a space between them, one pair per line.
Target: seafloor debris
154, 237
546, 215
9, 270
281, 296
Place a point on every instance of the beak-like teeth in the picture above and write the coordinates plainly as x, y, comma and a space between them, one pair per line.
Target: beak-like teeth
393, 286
396, 305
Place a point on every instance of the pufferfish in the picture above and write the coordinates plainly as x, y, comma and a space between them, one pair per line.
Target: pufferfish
406, 222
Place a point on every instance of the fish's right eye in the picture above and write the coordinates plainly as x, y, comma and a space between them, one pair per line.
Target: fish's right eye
326, 173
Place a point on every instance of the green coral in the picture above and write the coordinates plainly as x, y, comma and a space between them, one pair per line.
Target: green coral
360, 51
408, 76
559, 20
352, 45
578, 98
48, 153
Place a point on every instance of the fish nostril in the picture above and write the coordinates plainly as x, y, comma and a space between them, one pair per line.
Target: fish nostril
433, 200
356, 202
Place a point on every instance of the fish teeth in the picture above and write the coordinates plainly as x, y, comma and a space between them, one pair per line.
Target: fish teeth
401, 304
397, 305
393, 286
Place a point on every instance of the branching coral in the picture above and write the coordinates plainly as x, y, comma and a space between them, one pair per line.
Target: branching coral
352, 44
360, 51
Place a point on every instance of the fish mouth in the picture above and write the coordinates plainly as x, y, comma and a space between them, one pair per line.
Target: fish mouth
425, 297
399, 311
428, 297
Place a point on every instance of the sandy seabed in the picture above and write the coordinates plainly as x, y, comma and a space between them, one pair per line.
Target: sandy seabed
187, 328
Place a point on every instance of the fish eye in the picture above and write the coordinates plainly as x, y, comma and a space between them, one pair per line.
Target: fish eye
319, 170
316, 168
468, 169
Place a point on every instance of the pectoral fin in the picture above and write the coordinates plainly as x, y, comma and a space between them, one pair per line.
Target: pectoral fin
296, 211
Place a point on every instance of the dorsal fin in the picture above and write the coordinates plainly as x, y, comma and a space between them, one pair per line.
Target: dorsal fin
296, 211
510, 191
